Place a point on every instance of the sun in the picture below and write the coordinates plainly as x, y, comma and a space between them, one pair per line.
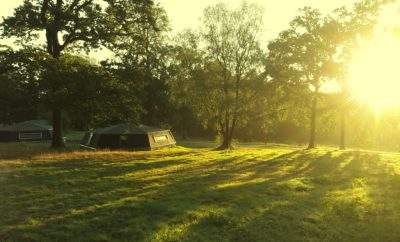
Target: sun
375, 72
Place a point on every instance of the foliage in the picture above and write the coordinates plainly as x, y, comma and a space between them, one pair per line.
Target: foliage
90, 95
74, 24
212, 81
305, 63
87, 92
19, 86
314, 51
185, 85
222, 64
142, 62
347, 28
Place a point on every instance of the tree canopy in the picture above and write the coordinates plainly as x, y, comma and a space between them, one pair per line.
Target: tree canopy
74, 24
216, 81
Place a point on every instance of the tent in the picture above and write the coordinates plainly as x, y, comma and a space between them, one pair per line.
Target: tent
33, 130
125, 136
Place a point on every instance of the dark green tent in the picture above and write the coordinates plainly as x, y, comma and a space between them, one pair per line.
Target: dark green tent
33, 130
125, 136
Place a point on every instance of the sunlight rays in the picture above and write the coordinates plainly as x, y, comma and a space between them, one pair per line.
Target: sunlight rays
374, 73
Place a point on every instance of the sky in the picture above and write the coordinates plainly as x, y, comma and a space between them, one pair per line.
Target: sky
277, 13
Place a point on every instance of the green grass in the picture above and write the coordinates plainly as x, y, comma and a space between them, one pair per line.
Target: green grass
260, 193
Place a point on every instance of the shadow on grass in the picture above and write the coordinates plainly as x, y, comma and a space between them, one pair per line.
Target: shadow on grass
236, 196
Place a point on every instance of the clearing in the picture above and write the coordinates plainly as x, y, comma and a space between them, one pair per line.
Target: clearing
260, 193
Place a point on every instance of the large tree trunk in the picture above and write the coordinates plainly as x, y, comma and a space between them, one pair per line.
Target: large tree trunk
57, 140
230, 125
311, 143
184, 132
342, 145
228, 136
226, 142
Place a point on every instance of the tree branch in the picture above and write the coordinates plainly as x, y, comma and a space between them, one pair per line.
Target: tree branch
83, 5
72, 6
43, 12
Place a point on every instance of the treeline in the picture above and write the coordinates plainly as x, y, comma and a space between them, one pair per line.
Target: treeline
213, 82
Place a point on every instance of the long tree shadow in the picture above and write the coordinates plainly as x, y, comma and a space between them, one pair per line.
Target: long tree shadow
334, 198
235, 197
67, 191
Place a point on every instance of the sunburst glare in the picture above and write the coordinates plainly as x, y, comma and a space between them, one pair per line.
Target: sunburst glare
374, 73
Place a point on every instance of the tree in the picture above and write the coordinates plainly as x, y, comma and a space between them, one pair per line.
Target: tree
234, 58
303, 55
19, 85
142, 61
187, 65
85, 89
80, 24
89, 92
347, 27
316, 49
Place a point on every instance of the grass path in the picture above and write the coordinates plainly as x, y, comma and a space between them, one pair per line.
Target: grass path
181, 194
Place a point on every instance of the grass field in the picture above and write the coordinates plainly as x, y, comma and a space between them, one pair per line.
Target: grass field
253, 193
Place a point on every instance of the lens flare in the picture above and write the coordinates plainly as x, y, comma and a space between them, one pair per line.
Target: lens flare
375, 73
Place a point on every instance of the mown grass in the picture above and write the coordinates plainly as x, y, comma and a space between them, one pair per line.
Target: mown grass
267, 193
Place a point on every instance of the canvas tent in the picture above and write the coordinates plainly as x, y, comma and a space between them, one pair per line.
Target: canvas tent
33, 130
125, 136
